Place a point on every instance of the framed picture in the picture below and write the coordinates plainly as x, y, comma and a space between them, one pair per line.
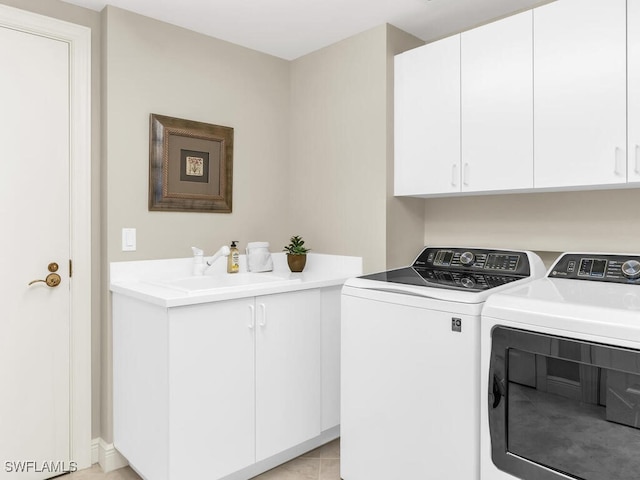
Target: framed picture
190, 166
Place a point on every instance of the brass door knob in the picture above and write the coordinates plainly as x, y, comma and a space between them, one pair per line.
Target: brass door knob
52, 280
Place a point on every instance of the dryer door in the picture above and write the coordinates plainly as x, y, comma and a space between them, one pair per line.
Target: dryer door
563, 408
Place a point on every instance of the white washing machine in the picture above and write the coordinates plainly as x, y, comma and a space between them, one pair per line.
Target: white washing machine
561, 373
410, 363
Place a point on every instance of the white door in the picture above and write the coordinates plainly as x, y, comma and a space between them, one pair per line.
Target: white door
427, 119
34, 210
580, 102
288, 371
497, 105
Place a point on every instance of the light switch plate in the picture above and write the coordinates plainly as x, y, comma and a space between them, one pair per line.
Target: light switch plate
128, 239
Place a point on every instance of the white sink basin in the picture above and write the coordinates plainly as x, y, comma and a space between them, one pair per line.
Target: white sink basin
222, 282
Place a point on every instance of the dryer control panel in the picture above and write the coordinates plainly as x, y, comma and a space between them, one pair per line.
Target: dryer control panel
598, 267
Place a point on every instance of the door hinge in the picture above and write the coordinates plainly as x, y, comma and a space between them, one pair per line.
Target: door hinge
70, 268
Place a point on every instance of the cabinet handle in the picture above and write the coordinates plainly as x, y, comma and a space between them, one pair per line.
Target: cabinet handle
252, 317
454, 169
465, 174
617, 170
263, 320
637, 160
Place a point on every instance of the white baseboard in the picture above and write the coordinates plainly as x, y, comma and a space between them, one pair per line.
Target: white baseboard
95, 454
106, 455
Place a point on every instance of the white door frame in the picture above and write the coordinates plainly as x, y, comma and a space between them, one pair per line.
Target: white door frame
79, 39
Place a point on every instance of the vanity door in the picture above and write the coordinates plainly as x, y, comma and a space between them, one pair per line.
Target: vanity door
211, 383
288, 370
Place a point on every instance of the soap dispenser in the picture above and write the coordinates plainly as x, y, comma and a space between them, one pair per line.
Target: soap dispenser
198, 261
233, 260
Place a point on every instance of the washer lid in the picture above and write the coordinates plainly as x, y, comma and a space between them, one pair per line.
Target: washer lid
467, 281
420, 288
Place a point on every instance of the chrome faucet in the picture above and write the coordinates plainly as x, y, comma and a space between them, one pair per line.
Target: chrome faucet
224, 251
199, 265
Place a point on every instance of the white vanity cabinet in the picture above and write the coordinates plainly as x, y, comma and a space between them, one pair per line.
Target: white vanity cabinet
497, 105
213, 389
633, 86
232, 358
580, 93
427, 119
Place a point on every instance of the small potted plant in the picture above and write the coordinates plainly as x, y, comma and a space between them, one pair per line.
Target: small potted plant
296, 253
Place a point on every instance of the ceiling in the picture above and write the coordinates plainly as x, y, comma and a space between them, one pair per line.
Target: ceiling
292, 28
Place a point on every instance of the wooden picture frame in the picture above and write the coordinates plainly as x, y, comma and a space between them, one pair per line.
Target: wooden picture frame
190, 166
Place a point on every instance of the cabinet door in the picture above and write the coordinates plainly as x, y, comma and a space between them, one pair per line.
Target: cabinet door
288, 394
211, 383
580, 93
633, 84
427, 119
497, 105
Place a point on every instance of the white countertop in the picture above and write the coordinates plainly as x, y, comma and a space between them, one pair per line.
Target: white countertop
135, 279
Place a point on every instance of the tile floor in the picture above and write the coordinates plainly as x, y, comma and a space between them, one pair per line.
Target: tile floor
323, 463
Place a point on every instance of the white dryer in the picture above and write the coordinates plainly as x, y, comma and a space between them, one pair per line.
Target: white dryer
410, 363
561, 373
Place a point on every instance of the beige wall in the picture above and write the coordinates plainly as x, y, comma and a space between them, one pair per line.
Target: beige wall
603, 220
405, 225
91, 19
153, 67
342, 151
338, 147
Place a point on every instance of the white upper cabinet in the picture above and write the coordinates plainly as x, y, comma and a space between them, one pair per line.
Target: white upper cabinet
497, 105
427, 119
539, 100
580, 93
633, 85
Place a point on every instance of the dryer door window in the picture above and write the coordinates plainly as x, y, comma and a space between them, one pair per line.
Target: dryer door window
561, 407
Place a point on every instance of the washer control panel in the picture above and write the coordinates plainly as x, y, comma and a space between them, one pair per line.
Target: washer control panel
598, 267
456, 268
474, 260
471, 269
